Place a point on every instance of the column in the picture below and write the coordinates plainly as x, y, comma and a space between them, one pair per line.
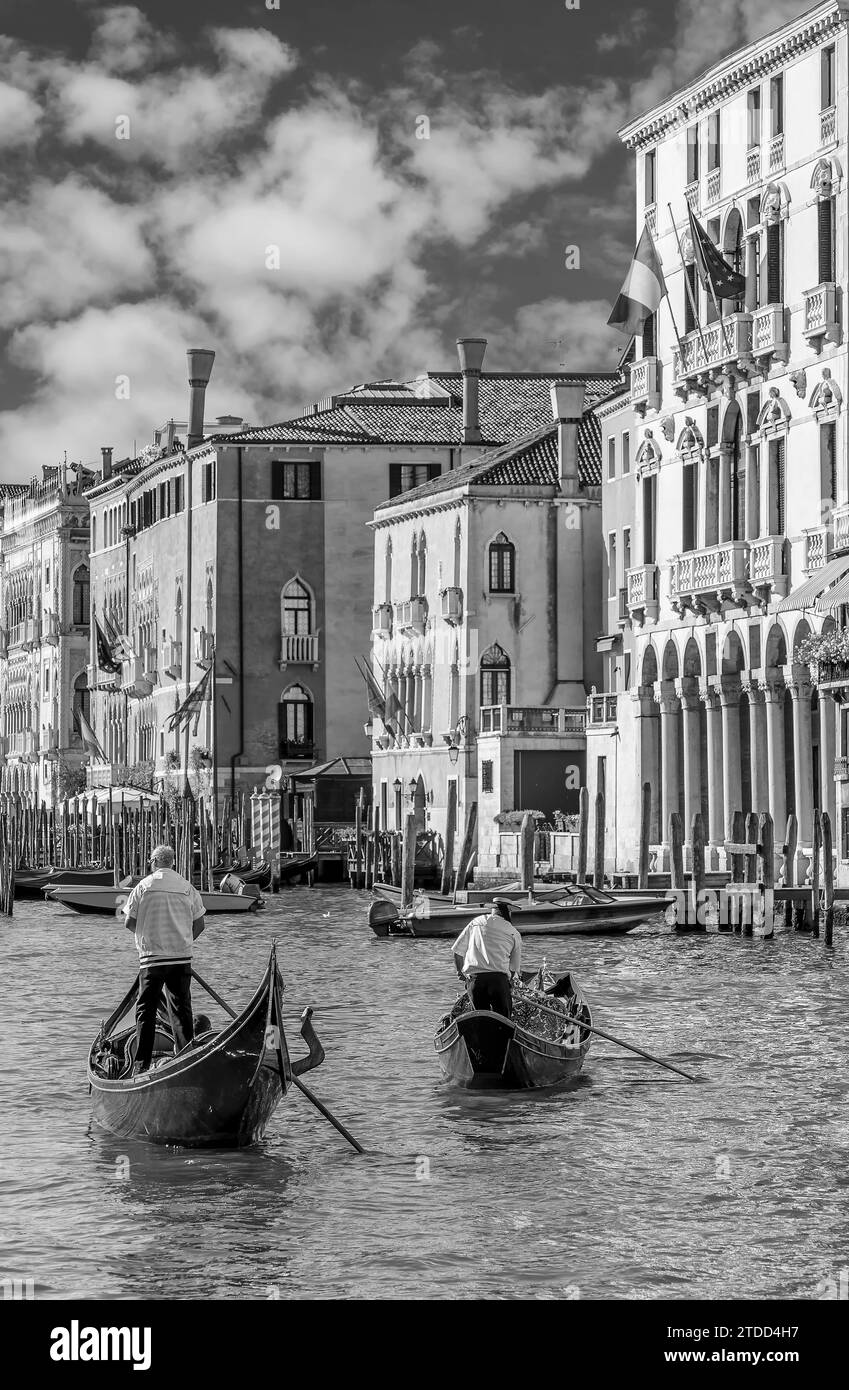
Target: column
688, 694
828, 717
753, 500
724, 531
713, 727
647, 750
774, 710
729, 699
670, 713
758, 746
800, 692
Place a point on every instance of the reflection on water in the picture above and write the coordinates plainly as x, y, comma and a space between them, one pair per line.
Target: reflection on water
631, 1183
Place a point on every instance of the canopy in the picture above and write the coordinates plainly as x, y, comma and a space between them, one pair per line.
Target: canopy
807, 594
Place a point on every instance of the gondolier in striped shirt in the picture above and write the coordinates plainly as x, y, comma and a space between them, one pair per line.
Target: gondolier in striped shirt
166, 912
486, 953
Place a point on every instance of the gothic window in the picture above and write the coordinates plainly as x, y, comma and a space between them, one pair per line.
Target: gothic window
422, 569
297, 608
295, 722
495, 676
502, 565
81, 594
81, 704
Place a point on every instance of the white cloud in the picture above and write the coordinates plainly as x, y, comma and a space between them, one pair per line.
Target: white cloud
125, 41
559, 332
19, 116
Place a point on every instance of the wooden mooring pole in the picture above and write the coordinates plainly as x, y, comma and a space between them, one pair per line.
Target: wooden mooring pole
450, 832
828, 880
645, 833
583, 827
600, 814
408, 861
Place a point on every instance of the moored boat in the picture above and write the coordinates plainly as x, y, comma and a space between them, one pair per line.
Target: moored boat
31, 883
221, 1091
294, 866
108, 901
542, 1045
260, 875
576, 913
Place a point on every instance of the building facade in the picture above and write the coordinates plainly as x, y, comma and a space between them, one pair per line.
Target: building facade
739, 471
44, 640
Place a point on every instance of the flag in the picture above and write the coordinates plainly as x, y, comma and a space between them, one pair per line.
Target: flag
105, 656
89, 738
713, 270
374, 694
191, 706
642, 291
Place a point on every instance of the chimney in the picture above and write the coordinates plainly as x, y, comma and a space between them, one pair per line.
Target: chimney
106, 465
567, 407
471, 351
200, 370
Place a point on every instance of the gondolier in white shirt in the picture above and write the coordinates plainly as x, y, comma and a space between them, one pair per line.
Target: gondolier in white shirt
486, 953
166, 912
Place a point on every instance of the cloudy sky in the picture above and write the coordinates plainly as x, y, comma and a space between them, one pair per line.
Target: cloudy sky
234, 175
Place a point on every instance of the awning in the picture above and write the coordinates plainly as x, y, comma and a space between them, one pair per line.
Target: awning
336, 767
807, 594
833, 598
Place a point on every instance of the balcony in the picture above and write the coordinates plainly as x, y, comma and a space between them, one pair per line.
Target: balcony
704, 579
381, 620
712, 186
840, 523
412, 615
26, 634
817, 548
828, 125
650, 215
172, 659
4, 644
451, 605
691, 193
602, 709
767, 568
50, 629
775, 154
104, 775
841, 769
299, 649
769, 335
133, 680
512, 720
642, 594
646, 384
203, 647
753, 166
22, 745
96, 679
150, 664
831, 677
301, 750
821, 319
722, 347
48, 741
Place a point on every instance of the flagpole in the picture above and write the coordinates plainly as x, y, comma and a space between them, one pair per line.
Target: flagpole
719, 317
688, 286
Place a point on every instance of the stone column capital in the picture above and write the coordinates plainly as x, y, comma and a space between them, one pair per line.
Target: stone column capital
708, 695
688, 693
751, 685
665, 696
729, 692
797, 678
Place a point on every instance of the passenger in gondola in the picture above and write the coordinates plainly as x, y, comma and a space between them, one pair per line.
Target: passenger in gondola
166, 912
486, 953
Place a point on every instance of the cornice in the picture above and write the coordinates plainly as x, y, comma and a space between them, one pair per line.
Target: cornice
735, 73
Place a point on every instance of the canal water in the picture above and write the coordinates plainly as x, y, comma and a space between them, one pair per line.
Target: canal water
635, 1184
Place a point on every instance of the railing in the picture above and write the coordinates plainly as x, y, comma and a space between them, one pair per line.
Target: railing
451, 604
297, 749
767, 565
712, 185
828, 125
717, 569
840, 522
650, 214
691, 193
646, 388
26, 633
204, 646
728, 340
133, 679
769, 332
531, 719
821, 312
150, 663
381, 620
22, 744
104, 775
50, 629
172, 659
602, 709
753, 166
47, 740
412, 615
299, 648
834, 674
775, 155
817, 548
642, 590
841, 769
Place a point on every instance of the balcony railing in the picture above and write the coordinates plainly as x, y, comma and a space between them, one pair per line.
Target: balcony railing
830, 675
203, 647
25, 634
646, 384
381, 620
4, 644
769, 333
48, 741
775, 156
301, 749
817, 548
828, 125
50, 629
841, 769
712, 185
299, 649
133, 679
104, 775
767, 566
602, 709
650, 214
821, 320
451, 605
531, 719
412, 615
95, 678
691, 193
21, 745
150, 663
172, 659
702, 579
727, 342
642, 593
753, 166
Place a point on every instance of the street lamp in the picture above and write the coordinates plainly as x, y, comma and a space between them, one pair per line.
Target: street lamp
413, 786
397, 785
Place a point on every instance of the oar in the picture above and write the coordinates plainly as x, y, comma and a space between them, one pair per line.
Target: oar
296, 1080
591, 1028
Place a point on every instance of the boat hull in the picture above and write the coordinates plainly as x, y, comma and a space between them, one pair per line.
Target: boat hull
219, 1095
537, 919
32, 883
107, 902
482, 1050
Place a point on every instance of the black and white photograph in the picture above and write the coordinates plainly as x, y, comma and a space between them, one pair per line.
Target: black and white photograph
424, 671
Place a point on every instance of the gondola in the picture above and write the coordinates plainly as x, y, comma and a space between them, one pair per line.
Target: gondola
31, 883
261, 875
107, 902
571, 913
219, 1092
297, 866
481, 1050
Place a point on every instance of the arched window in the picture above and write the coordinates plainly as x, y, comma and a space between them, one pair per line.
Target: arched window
414, 567
81, 596
502, 565
735, 256
387, 593
295, 723
495, 676
81, 705
178, 615
297, 608
422, 569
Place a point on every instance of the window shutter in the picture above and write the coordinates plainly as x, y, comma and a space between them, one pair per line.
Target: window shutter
738, 519
773, 264
315, 482
433, 470
648, 336
753, 410
825, 240
828, 478
688, 541
395, 480
277, 480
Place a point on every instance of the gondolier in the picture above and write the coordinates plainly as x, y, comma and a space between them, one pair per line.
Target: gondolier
487, 952
166, 913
